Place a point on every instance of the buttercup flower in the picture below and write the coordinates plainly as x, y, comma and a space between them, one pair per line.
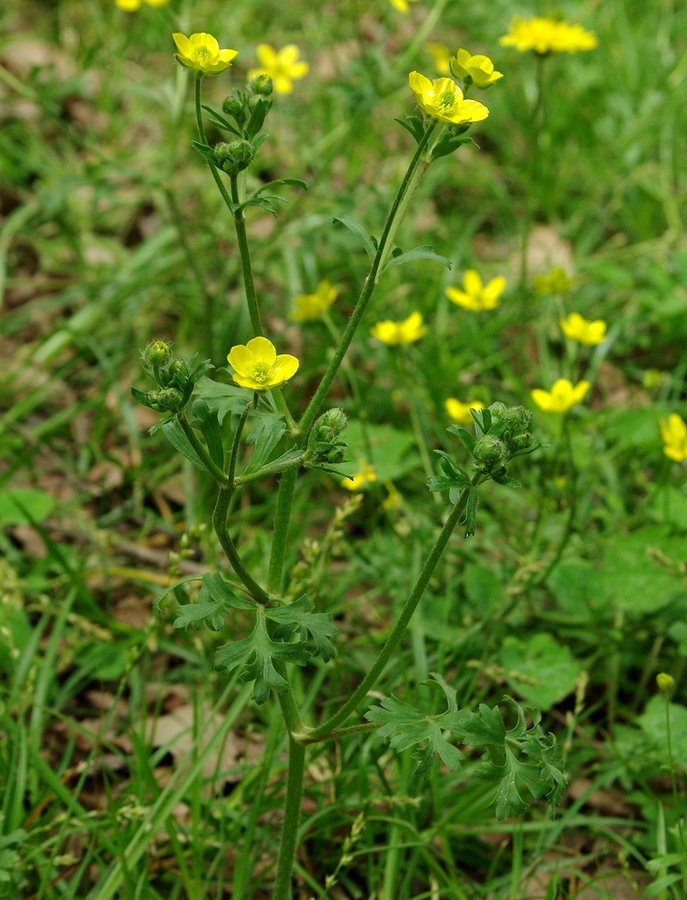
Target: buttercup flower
257, 366
365, 475
477, 296
562, 396
460, 412
308, 307
674, 435
406, 332
478, 69
577, 328
443, 100
283, 66
547, 36
133, 5
201, 53
665, 682
401, 5
557, 281
441, 56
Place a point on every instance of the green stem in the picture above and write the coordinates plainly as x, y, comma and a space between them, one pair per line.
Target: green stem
244, 251
192, 438
323, 730
408, 186
219, 523
292, 813
204, 140
282, 517
275, 468
247, 409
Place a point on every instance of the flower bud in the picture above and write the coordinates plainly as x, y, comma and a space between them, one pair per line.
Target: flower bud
326, 443
235, 106
157, 353
165, 400
234, 156
261, 84
490, 453
665, 682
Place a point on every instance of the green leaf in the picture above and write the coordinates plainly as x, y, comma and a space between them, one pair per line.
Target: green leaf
653, 723
368, 242
423, 252
258, 116
292, 182
405, 726
265, 437
206, 152
467, 438
541, 670
220, 122
174, 433
414, 125
298, 617
24, 506
214, 599
449, 142
470, 515
208, 424
254, 656
224, 398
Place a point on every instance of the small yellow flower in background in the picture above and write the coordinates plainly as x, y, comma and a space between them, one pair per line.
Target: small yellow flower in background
257, 366
674, 435
562, 396
201, 53
547, 36
406, 332
308, 307
443, 100
476, 295
401, 5
283, 66
393, 498
441, 56
133, 5
557, 281
665, 682
365, 475
479, 69
577, 328
460, 412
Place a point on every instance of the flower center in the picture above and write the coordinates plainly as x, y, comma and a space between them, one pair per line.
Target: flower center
202, 54
445, 100
260, 372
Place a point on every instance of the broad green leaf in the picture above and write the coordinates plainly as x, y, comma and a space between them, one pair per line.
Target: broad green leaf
540, 669
173, 431
653, 723
574, 584
298, 617
255, 655
265, 436
214, 599
224, 398
24, 505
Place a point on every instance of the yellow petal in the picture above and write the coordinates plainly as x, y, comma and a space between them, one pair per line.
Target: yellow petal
262, 350
240, 359
285, 366
184, 45
472, 282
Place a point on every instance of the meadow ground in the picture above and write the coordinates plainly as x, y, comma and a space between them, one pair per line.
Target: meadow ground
134, 759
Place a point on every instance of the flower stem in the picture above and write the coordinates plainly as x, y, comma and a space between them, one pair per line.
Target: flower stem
292, 813
408, 186
244, 251
282, 517
247, 409
204, 140
324, 730
219, 523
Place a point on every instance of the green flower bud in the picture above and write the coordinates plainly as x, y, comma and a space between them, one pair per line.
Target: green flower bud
178, 375
234, 156
235, 106
165, 400
261, 84
326, 443
490, 453
157, 353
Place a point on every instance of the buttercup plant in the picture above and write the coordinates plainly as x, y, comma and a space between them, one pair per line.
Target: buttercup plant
285, 628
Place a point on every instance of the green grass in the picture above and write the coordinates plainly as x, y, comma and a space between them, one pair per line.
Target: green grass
570, 597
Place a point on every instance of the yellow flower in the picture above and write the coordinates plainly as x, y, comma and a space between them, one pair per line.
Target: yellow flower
283, 66
674, 435
547, 36
201, 53
133, 5
401, 5
577, 328
257, 366
406, 332
562, 396
460, 412
365, 475
476, 295
557, 281
441, 56
478, 69
443, 100
312, 306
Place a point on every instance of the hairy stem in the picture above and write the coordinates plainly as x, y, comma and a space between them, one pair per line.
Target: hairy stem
198, 446
246, 266
219, 523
